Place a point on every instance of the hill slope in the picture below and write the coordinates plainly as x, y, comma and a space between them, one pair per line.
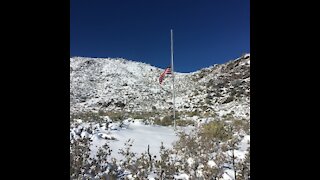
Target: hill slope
127, 86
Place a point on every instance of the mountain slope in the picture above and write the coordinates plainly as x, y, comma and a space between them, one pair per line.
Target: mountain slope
127, 86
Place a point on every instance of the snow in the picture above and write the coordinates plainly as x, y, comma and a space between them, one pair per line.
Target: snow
212, 163
141, 134
245, 143
240, 109
228, 175
182, 176
105, 136
78, 120
190, 161
144, 135
152, 176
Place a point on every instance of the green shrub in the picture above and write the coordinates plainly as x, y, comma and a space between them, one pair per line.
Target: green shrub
165, 121
87, 116
180, 122
193, 113
215, 130
115, 116
243, 124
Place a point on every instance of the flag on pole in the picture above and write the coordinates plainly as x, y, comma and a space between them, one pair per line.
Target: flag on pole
162, 75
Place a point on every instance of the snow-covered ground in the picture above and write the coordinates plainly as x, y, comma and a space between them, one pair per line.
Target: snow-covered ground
142, 136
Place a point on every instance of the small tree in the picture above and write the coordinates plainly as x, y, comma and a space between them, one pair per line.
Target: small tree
232, 145
129, 157
143, 167
165, 167
79, 157
244, 167
214, 169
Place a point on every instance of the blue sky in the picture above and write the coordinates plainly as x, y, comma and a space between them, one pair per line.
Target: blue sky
206, 32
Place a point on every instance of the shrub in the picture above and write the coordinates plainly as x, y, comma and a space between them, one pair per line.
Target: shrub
241, 124
84, 167
180, 122
165, 121
115, 116
215, 130
194, 113
87, 116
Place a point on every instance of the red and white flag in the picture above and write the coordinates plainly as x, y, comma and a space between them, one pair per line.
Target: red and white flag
162, 75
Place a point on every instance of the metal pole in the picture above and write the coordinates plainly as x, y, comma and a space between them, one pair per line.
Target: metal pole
172, 71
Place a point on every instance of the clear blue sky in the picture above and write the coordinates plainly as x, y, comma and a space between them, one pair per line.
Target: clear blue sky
206, 32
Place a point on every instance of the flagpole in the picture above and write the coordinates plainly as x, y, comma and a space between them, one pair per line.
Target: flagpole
173, 92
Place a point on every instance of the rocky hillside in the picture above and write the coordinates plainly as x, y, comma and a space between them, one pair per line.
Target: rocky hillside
120, 85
